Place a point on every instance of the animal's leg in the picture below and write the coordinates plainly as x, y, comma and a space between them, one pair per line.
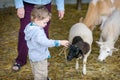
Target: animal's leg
84, 65
100, 40
77, 64
85, 61
91, 28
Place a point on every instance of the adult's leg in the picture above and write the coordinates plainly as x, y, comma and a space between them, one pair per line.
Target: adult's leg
48, 6
22, 46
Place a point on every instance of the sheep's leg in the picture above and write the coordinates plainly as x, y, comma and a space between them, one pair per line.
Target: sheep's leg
101, 40
77, 64
85, 62
84, 65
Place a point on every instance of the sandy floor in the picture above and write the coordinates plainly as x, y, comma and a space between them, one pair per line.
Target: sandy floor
60, 69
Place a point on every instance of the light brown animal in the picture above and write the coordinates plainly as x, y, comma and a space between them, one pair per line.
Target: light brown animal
99, 11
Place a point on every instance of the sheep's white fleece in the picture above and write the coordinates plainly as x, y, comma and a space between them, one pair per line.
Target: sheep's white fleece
80, 29
111, 28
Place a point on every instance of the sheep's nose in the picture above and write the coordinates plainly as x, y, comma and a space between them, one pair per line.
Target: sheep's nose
69, 58
100, 60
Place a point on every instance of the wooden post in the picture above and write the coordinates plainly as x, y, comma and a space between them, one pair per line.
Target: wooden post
79, 4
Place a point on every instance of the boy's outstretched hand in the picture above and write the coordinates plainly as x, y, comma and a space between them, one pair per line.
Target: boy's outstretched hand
64, 43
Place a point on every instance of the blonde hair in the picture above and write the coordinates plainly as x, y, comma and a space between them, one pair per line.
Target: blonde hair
40, 13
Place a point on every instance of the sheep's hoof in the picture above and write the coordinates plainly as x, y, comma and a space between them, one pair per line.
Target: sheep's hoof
77, 71
84, 72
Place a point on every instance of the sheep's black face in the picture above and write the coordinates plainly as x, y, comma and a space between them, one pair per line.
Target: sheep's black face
74, 52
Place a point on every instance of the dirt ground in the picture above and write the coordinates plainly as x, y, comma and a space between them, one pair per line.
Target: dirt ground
59, 69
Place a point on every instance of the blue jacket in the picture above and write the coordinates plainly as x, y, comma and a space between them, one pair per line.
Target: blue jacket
38, 43
59, 3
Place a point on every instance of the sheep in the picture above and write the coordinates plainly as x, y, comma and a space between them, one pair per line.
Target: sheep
80, 37
109, 35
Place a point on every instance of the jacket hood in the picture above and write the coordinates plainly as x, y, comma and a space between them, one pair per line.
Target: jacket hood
29, 31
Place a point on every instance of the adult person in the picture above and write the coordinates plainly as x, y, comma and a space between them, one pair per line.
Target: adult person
24, 8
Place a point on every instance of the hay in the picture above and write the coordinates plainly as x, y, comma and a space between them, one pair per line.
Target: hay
59, 69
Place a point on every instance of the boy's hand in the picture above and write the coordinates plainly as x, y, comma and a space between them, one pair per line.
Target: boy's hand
64, 43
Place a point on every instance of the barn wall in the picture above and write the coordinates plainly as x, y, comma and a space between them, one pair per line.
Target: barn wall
8, 3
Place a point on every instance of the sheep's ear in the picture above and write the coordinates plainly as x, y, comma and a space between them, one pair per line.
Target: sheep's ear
115, 49
99, 43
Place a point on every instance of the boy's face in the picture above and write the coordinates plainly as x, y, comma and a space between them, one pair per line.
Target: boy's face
43, 23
